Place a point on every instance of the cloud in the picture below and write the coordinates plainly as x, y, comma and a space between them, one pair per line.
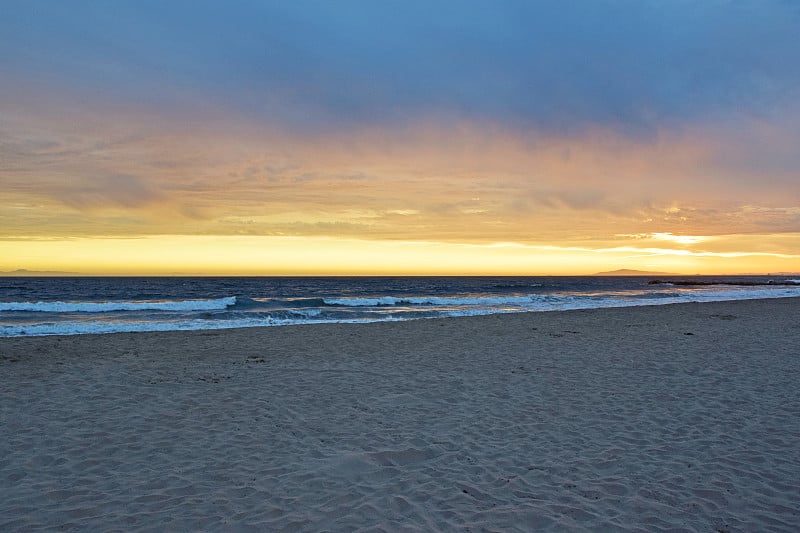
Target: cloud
464, 181
548, 65
117, 190
666, 236
578, 199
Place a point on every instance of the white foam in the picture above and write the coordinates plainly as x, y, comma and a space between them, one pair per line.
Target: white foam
110, 306
576, 302
83, 328
89, 328
306, 313
543, 302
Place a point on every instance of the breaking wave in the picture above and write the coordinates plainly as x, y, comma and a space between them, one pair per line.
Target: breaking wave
112, 306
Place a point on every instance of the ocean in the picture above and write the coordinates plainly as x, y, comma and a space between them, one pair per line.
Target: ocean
31, 306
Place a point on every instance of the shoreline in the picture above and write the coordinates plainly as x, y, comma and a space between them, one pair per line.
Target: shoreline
628, 418
359, 322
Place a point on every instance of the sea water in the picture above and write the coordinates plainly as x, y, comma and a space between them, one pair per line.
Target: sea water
81, 305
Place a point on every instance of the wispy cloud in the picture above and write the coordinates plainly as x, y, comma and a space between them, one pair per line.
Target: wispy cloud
467, 185
677, 239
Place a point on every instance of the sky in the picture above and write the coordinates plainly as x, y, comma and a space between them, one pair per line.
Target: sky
252, 137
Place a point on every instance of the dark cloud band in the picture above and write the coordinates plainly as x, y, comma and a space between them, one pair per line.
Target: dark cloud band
631, 65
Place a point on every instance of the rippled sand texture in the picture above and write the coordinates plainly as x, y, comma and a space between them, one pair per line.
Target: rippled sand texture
682, 417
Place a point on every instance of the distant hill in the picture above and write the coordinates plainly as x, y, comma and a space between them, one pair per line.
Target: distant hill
628, 272
25, 272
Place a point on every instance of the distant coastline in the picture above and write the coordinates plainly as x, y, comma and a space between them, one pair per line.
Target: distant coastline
22, 272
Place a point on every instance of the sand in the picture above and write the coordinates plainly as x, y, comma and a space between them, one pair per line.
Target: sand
671, 418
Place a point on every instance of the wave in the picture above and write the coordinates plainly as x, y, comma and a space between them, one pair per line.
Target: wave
101, 328
359, 311
516, 285
94, 328
524, 301
111, 306
433, 300
545, 302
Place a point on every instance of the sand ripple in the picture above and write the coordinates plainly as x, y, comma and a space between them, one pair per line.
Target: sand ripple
609, 420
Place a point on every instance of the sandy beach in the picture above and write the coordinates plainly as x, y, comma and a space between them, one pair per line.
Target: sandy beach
670, 418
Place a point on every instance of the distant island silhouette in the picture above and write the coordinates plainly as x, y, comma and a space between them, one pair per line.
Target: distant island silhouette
26, 272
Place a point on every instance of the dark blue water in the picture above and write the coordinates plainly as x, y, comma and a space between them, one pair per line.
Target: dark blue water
76, 305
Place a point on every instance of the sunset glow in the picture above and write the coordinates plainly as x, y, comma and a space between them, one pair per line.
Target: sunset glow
302, 140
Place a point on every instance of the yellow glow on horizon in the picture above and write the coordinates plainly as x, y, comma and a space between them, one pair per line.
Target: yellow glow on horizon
431, 197
678, 239
253, 255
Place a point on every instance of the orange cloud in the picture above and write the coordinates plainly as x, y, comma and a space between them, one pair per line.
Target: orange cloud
439, 181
